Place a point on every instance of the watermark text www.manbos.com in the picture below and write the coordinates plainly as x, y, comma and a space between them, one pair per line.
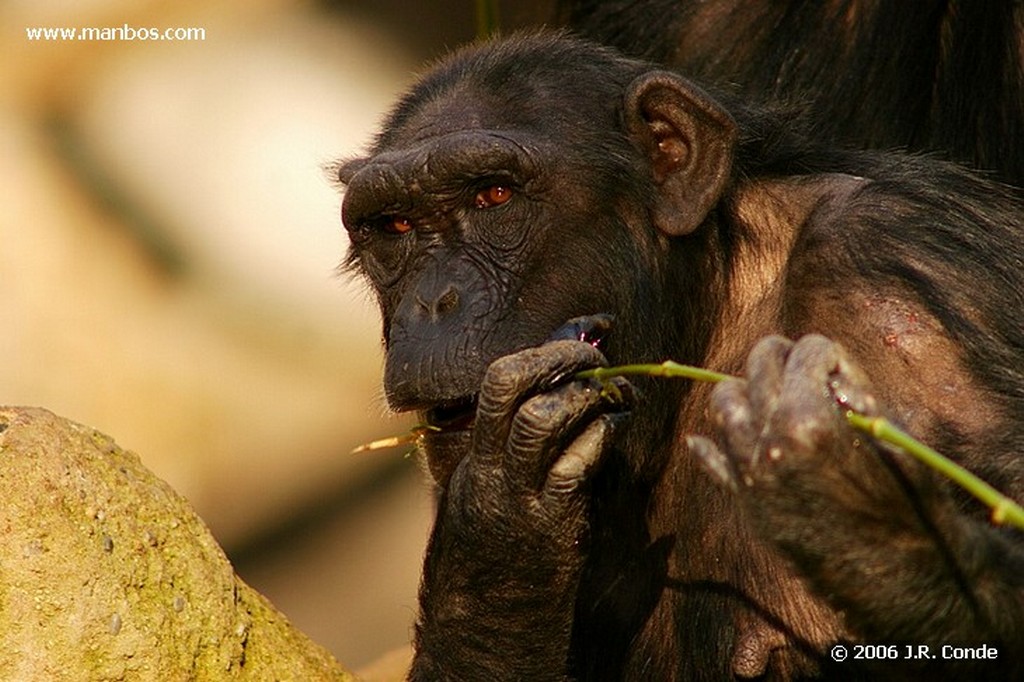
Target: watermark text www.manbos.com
124, 33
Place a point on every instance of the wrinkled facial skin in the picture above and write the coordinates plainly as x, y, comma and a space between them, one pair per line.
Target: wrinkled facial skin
441, 231
475, 240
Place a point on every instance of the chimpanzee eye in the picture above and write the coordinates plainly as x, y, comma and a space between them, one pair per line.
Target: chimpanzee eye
492, 196
397, 225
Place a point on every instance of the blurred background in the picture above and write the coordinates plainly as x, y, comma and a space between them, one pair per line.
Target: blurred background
169, 243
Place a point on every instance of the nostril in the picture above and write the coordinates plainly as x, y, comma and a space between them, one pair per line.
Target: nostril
447, 302
438, 307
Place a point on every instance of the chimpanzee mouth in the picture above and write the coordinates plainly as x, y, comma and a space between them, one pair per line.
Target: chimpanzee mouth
452, 415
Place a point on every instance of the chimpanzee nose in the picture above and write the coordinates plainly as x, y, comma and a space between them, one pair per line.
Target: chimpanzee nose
435, 297
437, 302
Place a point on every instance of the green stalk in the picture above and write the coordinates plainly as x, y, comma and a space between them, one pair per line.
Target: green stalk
665, 369
486, 18
1004, 510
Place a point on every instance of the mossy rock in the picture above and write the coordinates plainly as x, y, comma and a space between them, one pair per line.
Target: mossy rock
107, 574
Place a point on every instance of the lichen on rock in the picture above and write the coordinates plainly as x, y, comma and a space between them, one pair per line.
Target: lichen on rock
107, 574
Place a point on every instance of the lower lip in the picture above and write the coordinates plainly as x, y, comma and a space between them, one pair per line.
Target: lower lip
461, 421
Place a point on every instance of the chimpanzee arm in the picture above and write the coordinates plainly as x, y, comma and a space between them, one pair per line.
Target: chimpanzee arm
503, 563
872, 530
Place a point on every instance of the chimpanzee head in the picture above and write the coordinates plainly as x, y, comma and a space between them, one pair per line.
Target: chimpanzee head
517, 185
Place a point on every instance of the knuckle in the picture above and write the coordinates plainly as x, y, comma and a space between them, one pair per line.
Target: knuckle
551, 411
771, 349
813, 355
514, 373
729, 403
532, 425
503, 374
795, 429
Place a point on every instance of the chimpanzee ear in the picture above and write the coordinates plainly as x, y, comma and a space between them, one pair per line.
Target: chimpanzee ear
689, 140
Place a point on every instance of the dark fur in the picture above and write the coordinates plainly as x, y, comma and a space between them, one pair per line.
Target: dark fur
678, 573
935, 75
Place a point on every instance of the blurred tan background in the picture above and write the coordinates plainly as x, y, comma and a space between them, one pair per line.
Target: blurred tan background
168, 252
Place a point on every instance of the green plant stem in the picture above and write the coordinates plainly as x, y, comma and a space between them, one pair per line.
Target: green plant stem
1004, 510
665, 369
486, 18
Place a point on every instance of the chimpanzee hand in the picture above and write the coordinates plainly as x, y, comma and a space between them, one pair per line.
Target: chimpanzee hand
873, 531
811, 484
510, 537
783, 425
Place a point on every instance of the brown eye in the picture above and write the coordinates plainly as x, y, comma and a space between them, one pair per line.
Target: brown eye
495, 195
398, 225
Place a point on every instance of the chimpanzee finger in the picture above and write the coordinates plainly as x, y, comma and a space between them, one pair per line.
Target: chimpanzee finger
851, 387
512, 379
807, 415
734, 419
715, 462
590, 329
766, 365
572, 467
545, 423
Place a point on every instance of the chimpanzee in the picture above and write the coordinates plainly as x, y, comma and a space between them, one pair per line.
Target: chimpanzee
941, 75
654, 529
